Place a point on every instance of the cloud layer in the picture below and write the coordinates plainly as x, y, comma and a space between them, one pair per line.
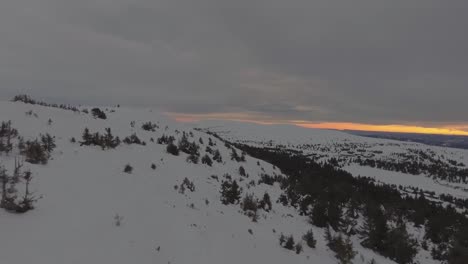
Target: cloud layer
370, 61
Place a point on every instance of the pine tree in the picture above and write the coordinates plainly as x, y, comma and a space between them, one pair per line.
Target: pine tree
374, 229
48, 143
217, 156
87, 137
207, 160
28, 200
172, 149
289, 244
400, 246
319, 217
242, 172
4, 180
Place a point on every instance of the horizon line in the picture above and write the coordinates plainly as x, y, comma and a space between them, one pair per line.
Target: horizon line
449, 130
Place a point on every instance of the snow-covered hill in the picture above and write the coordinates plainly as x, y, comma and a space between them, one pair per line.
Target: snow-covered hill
91, 211
84, 188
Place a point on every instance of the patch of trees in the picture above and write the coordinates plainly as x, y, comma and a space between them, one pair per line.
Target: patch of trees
310, 239
133, 139
190, 148
186, 185
11, 200
105, 141
28, 100
269, 180
343, 248
250, 206
98, 113
230, 192
35, 152
235, 156
333, 197
217, 156
148, 126
415, 165
164, 140
289, 244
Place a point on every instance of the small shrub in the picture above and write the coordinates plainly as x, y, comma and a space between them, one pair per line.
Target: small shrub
118, 219
172, 149
188, 185
282, 239
148, 126
217, 156
242, 172
249, 203
153, 166
309, 239
215, 177
265, 203
193, 158
289, 244
98, 113
207, 160
128, 169
134, 139
165, 140
35, 152
298, 248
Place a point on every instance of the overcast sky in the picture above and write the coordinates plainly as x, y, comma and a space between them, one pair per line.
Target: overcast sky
370, 61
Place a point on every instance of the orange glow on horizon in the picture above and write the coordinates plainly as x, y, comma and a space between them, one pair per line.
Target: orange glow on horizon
457, 129
387, 128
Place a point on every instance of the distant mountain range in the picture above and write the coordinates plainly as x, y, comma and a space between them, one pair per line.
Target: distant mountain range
428, 139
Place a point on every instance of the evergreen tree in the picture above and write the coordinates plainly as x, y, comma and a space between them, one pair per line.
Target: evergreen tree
309, 239
48, 142
217, 156
207, 160
400, 246
172, 149
319, 217
374, 229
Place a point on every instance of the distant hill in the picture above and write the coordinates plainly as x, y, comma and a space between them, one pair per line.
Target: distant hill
428, 139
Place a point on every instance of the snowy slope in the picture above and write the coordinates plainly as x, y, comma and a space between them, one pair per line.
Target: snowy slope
84, 188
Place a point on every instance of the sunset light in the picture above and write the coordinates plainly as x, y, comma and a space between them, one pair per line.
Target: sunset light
387, 128
460, 130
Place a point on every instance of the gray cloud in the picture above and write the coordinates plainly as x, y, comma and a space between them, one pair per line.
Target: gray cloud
358, 61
